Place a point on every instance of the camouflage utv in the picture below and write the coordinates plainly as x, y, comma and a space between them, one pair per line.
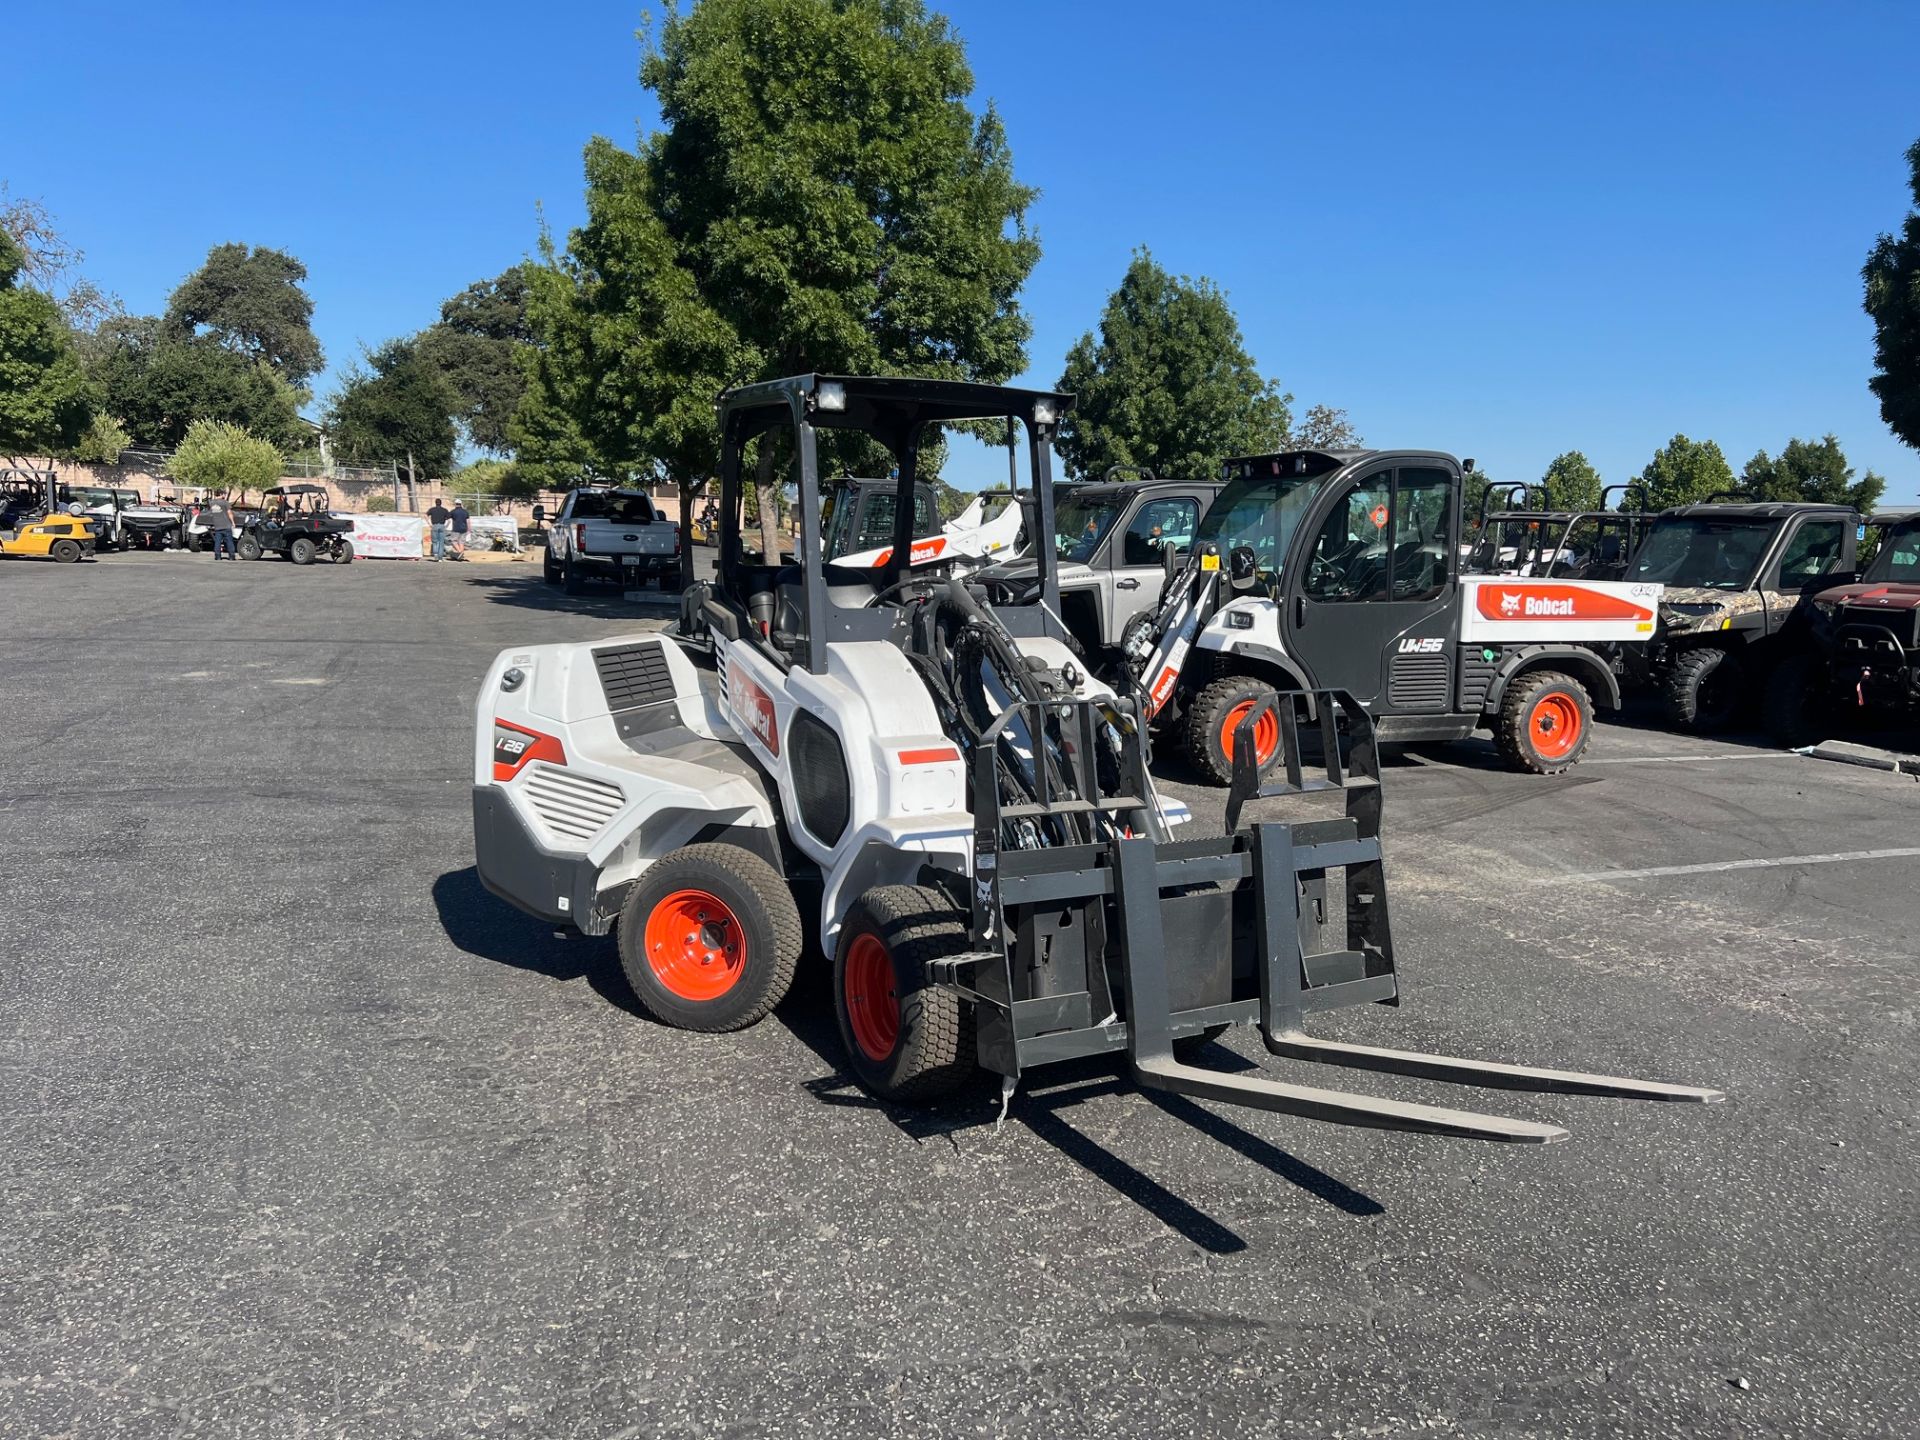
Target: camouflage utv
1737, 578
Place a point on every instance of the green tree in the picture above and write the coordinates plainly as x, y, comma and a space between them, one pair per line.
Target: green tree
1571, 483
250, 302
476, 347
1168, 384
1812, 470
101, 443
46, 403
395, 409
158, 385
1683, 471
216, 456
491, 477
819, 197
1323, 427
1892, 276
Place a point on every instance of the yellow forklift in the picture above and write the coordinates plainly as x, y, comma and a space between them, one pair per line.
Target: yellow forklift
32, 522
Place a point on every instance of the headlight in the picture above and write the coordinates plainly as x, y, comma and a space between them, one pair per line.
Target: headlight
1239, 619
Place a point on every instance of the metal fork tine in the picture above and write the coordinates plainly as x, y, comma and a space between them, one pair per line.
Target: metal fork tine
1295, 1045
1338, 1106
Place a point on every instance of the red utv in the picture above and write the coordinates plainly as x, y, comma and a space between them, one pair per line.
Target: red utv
1862, 650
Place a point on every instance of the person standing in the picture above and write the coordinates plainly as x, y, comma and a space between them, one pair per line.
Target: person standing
459, 520
438, 517
219, 522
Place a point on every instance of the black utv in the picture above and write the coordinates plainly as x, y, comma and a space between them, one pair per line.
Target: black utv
297, 521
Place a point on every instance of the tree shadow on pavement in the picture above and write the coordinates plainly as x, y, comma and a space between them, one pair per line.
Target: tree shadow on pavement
1038, 1105
530, 592
480, 924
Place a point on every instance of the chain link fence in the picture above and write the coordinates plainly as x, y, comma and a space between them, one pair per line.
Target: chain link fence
154, 462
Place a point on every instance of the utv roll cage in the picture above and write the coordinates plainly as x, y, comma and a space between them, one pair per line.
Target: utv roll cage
1542, 534
800, 607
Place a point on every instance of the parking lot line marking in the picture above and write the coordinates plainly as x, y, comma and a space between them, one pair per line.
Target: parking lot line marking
1712, 866
1688, 759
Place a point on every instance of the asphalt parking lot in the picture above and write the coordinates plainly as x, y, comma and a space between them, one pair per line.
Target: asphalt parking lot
304, 1134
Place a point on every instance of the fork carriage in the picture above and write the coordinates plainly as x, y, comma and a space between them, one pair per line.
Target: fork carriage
1276, 921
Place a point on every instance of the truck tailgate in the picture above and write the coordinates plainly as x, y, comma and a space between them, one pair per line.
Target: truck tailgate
607, 540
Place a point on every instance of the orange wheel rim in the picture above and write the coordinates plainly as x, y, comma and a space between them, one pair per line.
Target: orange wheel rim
1266, 731
695, 945
1555, 725
873, 1006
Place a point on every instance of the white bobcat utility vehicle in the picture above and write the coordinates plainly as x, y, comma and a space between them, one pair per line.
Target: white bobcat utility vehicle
1340, 570
934, 790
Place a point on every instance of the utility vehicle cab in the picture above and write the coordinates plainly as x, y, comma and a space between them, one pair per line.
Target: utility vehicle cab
1734, 578
1340, 570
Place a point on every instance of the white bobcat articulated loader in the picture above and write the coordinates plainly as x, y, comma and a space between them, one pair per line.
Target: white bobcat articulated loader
933, 789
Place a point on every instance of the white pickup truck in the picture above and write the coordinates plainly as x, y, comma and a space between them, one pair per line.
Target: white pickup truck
608, 534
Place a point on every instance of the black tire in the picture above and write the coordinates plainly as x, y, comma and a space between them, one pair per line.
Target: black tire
191, 544
1208, 725
65, 552
301, 550
1797, 706
1545, 723
769, 938
549, 569
344, 554
1705, 689
896, 930
250, 548
571, 580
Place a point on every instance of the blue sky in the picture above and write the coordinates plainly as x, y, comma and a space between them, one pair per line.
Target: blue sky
1500, 230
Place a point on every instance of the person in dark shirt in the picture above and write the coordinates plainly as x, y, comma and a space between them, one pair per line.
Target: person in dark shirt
459, 520
219, 522
438, 517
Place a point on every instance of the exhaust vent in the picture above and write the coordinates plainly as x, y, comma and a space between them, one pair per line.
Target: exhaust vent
633, 675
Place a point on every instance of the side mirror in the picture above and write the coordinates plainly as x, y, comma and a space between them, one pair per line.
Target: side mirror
1243, 566
539, 514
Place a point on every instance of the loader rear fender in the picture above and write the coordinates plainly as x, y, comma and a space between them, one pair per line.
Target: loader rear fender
1581, 663
662, 832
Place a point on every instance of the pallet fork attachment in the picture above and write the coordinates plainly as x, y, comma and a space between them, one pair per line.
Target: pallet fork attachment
1070, 942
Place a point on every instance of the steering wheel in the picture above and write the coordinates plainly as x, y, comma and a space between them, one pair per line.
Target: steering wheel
1324, 577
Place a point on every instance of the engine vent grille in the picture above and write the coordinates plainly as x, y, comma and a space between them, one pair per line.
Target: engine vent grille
633, 675
570, 806
1418, 682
